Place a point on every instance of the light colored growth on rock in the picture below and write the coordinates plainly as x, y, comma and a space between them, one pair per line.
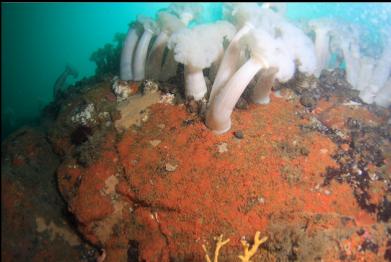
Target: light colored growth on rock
150, 86
223, 147
171, 167
56, 231
110, 184
220, 243
134, 110
155, 142
85, 116
167, 99
123, 89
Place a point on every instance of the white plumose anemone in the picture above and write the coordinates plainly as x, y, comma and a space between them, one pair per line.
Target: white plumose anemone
195, 54
266, 52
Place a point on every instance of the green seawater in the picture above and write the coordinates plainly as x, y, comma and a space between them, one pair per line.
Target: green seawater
40, 39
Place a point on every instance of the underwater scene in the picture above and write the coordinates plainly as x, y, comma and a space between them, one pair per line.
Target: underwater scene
208, 132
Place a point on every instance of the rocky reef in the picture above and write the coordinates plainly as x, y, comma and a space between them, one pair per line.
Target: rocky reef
125, 170
155, 184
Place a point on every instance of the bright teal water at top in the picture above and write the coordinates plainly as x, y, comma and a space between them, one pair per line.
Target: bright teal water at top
39, 39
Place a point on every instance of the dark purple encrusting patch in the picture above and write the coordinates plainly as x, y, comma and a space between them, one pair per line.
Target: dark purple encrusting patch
81, 134
387, 254
133, 251
368, 244
384, 210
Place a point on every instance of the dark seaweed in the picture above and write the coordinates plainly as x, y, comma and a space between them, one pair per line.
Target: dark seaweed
107, 58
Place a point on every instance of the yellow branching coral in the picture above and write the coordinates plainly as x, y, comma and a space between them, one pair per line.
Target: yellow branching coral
249, 253
219, 244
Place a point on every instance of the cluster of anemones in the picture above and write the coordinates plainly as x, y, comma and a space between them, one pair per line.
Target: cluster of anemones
253, 41
367, 74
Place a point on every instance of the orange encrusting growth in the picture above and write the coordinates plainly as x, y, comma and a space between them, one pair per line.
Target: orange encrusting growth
209, 189
212, 191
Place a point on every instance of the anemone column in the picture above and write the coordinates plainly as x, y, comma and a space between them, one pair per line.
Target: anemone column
127, 54
141, 55
156, 56
195, 85
218, 117
230, 61
322, 40
263, 87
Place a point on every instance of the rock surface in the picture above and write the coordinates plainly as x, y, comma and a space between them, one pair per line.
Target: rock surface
159, 188
33, 224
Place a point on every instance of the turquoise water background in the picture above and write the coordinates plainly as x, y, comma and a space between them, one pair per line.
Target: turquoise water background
39, 39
